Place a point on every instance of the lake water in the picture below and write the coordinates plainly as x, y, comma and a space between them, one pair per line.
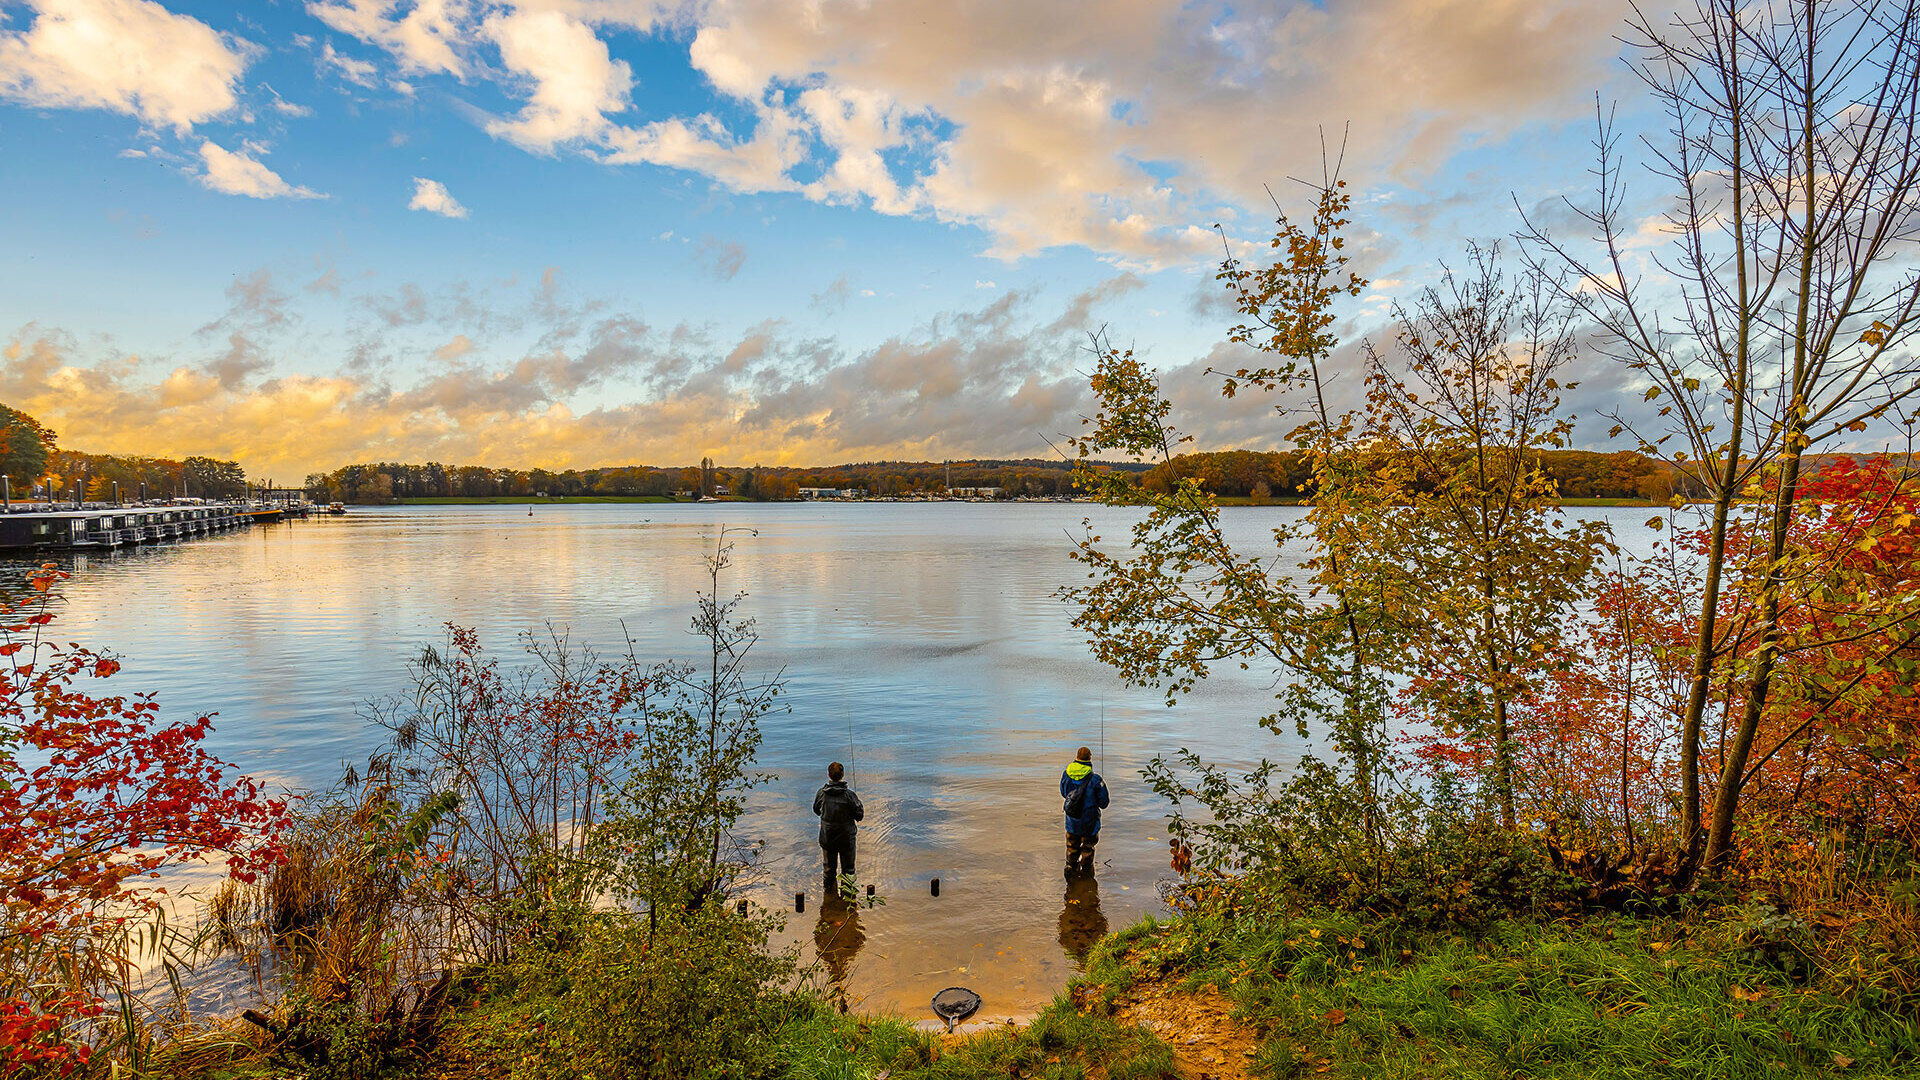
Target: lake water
932, 631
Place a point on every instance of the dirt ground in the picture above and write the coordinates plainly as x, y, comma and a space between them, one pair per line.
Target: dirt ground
1208, 1043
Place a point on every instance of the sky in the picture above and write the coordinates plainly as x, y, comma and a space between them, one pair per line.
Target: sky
569, 233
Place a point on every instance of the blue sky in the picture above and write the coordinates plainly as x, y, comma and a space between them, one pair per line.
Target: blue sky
581, 232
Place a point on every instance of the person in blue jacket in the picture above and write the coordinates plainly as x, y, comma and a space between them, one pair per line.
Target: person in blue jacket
1086, 795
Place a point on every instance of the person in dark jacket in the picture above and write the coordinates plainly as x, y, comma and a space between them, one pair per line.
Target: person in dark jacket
1083, 829
839, 809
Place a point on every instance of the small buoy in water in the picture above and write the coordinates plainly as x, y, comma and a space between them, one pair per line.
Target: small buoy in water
800, 901
936, 886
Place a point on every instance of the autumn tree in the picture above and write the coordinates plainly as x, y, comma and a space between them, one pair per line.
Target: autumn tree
1183, 598
1782, 312
1464, 530
98, 797
24, 446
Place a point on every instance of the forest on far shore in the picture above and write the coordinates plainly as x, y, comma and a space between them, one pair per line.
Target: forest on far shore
1236, 474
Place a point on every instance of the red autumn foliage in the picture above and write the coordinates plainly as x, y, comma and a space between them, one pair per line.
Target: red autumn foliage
1840, 742
97, 797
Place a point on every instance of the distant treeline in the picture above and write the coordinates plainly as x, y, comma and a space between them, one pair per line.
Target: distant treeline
383, 482
200, 477
1581, 474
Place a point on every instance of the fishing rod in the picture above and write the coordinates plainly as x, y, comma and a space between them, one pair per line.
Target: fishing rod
847, 713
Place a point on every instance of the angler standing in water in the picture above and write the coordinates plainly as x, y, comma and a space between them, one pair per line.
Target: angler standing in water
839, 810
1086, 796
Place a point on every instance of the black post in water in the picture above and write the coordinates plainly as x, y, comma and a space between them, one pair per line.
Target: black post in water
743, 907
869, 890
936, 886
800, 902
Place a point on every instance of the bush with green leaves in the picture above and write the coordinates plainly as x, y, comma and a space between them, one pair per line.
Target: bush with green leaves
1312, 841
692, 997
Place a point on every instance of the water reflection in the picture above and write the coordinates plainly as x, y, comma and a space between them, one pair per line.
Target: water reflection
837, 938
1081, 921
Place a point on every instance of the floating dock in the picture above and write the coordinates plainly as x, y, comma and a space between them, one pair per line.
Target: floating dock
97, 528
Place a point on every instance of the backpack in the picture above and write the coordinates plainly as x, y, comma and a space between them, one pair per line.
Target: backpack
1077, 802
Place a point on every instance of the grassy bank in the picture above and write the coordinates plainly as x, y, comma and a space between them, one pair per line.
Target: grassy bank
805, 1038
1597, 998
1244, 992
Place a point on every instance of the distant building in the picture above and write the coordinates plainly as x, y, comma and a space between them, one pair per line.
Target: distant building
977, 492
819, 493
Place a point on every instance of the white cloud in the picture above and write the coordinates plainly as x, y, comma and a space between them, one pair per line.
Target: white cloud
1041, 127
239, 174
433, 197
704, 145
858, 125
128, 56
354, 70
420, 35
576, 82
1127, 132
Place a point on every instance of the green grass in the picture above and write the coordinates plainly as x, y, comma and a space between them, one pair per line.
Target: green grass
811, 1041
1060, 1044
1607, 998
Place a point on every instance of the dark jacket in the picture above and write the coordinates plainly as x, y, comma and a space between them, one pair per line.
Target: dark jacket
838, 808
1089, 820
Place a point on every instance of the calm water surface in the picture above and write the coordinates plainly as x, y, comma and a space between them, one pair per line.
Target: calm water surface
931, 630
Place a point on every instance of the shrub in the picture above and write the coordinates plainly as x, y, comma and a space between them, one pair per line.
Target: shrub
693, 997
1314, 842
